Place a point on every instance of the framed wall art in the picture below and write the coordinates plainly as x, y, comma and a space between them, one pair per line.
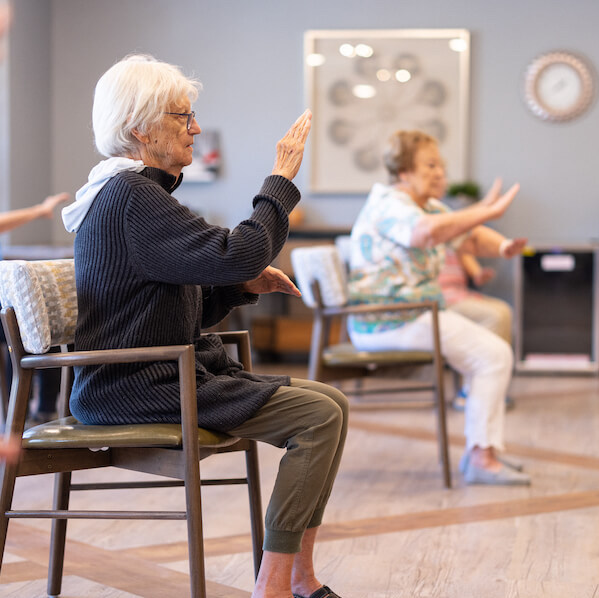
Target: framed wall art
362, 85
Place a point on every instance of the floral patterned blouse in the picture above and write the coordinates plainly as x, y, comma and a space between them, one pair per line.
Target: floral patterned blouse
384, 267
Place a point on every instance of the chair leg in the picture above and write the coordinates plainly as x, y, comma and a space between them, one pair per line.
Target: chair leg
4, 383
442, 424
438, 364
8, 474
195, 537
256, 515
62, 491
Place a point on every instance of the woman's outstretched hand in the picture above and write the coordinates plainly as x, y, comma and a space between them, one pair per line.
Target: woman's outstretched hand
47, 206
513, 247
290, 149
496, 202
272, 280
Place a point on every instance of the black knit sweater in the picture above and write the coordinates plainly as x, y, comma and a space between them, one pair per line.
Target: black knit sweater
149, 272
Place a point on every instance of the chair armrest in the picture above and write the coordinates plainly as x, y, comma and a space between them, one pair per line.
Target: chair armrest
129, 355
377, 308
241, 339
327, 313
104, 356
231, 337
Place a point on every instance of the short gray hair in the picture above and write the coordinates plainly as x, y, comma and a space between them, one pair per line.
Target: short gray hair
133, 94
401, 149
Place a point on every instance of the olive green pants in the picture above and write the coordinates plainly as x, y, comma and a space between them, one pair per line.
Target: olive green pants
309, 420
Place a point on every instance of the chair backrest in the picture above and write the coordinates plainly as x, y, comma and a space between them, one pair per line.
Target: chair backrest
343, 244
44, 297
322, 264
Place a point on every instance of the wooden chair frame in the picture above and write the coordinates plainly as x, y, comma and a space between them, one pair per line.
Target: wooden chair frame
180, 462
359, 364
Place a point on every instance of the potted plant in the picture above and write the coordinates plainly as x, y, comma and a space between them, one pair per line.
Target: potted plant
462, 194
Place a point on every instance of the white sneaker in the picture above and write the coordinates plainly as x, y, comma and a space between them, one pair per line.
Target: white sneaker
506, 476
465, 460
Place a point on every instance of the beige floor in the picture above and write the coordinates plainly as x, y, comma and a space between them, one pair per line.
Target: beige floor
391, 529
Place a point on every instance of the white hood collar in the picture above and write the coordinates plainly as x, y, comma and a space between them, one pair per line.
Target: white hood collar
100, 174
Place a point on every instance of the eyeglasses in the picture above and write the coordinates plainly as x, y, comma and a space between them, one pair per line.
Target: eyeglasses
190, 116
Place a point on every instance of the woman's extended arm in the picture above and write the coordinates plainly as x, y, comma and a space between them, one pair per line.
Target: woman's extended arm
478, 274
486, 242
16, 218
433, 229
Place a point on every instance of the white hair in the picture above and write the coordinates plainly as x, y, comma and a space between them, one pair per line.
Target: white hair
133, 94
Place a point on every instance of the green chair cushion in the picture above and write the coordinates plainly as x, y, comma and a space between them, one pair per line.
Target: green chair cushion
346, 354
67, 432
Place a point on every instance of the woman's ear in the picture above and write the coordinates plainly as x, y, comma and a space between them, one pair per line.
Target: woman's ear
141, 137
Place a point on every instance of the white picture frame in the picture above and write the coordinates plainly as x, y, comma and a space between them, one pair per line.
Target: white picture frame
362, 85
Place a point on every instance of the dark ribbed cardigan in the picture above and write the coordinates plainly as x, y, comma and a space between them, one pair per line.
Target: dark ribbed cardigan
149, 272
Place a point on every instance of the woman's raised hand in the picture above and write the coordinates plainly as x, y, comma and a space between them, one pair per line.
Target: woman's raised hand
290, 149
496, 203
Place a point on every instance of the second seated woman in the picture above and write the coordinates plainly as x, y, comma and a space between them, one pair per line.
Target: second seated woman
396, 255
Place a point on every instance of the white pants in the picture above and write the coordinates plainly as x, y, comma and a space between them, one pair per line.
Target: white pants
484, 359
490, 312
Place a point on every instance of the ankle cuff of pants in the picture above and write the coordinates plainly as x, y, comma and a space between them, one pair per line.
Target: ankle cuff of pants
316, 518
280, 541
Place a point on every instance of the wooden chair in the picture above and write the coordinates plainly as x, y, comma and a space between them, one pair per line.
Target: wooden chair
4, 391
321, 276
40, 310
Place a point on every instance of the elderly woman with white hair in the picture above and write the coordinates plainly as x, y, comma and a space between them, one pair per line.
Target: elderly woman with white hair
150, 272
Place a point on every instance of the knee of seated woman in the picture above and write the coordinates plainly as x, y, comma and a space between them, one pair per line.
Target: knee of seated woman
330, 415
340, 399
503, 354
325, 392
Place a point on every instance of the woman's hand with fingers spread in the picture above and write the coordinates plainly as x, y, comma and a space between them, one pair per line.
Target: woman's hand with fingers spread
496, 202
512, 247
290, 149
272, 280
47, 206
483, 276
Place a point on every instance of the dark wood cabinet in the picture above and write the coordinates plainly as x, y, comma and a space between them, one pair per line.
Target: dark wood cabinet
288, 329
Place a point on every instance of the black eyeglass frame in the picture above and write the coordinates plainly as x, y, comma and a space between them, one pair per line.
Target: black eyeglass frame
190, 116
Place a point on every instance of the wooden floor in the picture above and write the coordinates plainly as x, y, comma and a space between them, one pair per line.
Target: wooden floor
391, 529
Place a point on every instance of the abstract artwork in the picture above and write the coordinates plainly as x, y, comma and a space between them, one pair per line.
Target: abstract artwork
362, 85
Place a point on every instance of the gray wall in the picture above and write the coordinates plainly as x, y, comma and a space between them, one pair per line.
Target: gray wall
249, 56
29, 124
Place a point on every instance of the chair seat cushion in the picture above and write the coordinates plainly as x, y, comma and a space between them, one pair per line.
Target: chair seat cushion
346, 354
69, 433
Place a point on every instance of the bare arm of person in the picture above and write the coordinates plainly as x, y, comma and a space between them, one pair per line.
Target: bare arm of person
16, 218
486, 242
475, 271
433, 229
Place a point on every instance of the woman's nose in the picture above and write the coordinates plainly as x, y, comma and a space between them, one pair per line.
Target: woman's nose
195, 128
